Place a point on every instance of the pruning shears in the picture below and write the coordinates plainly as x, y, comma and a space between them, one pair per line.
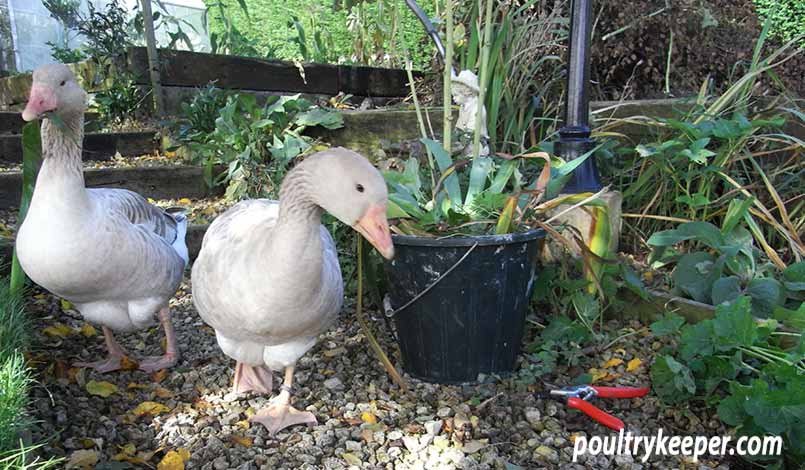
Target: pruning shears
578, 397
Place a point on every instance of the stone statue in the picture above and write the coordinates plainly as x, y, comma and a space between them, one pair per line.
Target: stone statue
465, 91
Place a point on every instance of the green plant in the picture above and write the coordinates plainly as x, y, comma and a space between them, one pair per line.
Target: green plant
14, 377
31, 159
726, 265
67, 14
322, 46
373, 31
230, 40
786, 17
257, 143
752, 369
197, 118
717, 150
521, 47
105, 31
119, 101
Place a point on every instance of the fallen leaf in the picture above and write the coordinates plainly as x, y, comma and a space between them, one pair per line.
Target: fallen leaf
149, 408
335, 351
614, 362
351, 459
368, 417
244, 424
101, 389
633, 365
163, 393
159, 375
83, 460
472, 447
58, 330
367, 435
242, 440
128, 364
171, 461
66, 305
597, 374
133, 385
184, 201
620, 351
183, 453
88, 330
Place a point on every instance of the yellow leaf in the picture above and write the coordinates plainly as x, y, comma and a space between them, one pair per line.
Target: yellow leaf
242, 440
128, 449
82, 460
614, 362
88, 330
58, 330
597, 374
633, 365
243, 424
184, 201
137, 386
620, 351
101, 389
368, 417
171, 461
183, 453
149, 408
66, 305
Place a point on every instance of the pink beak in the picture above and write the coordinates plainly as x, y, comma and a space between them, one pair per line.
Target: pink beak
42, 100
375, 229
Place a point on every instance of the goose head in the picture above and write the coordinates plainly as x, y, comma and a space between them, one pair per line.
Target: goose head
55, 90
346, 185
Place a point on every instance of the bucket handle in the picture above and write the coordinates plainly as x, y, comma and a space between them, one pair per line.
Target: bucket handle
390, 312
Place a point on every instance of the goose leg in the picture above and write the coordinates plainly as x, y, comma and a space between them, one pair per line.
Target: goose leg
252, 378
115, 359
151, 364
280, 414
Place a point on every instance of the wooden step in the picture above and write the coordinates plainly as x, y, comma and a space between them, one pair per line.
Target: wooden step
11, 122
97, 146
167, 182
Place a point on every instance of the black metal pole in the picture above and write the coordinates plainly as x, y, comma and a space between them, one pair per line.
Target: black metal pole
574, 137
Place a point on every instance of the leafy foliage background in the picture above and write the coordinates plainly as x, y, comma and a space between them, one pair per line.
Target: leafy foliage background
268, 26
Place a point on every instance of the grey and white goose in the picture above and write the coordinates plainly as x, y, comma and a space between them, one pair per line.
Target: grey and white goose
267, 278
116, 257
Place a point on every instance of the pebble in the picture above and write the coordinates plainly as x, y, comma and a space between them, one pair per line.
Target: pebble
333, 383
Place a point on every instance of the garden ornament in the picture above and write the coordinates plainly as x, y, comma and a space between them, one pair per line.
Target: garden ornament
465, 91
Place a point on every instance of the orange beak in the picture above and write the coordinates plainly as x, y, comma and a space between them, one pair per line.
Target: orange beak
41, 100
375, 228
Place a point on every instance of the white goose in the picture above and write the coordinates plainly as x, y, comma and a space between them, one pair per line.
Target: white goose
267, 277
116, 257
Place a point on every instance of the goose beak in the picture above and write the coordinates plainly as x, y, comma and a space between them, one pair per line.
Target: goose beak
42, 100
375, 228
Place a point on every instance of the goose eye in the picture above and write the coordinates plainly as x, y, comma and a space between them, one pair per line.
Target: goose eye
359, 187
62, 83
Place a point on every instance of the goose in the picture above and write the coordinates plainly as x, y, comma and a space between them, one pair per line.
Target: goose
114, 256
267, 278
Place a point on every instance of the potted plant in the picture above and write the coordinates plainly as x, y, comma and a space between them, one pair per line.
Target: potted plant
467, 233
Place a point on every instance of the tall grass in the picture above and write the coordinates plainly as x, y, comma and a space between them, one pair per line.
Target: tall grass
14, 377
719, 149
523, 63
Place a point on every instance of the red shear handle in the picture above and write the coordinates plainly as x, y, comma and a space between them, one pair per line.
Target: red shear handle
595, 413
621, 392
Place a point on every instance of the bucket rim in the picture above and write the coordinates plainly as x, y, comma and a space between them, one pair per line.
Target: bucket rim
481, 240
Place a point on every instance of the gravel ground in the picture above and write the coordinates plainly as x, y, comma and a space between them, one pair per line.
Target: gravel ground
155, 159
364, 420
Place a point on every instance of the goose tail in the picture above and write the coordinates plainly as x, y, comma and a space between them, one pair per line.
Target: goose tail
179, 244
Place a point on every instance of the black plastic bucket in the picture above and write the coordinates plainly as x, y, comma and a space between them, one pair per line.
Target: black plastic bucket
472, 320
